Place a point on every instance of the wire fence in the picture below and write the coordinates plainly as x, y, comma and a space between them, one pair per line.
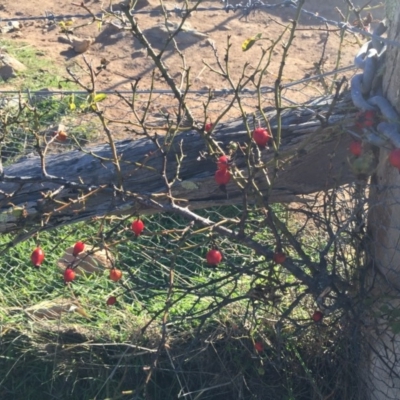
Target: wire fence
69, 111
247, 325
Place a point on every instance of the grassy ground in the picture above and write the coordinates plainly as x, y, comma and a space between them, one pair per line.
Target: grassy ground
40, 73
103, 353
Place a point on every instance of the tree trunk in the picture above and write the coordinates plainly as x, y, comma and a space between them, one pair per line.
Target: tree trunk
82, 184
384, 229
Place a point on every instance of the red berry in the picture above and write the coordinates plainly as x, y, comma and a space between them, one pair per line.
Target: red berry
355, 148
61, 136
222, 176
214, 257
317, 316
208, 127
115, 274
69, 275
137, 227
279, 257
394, 158
261, 136
78, 248
365, 119
223, 163
259, 346
37, 257
111, 300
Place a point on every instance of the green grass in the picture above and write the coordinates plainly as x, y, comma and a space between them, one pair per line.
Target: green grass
94, 355
49, 110
41, 71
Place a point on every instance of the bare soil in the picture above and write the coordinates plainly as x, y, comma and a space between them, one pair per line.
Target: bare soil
315, 49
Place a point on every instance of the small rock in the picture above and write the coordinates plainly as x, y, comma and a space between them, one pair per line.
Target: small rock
118, 36
81, 45
11, 26
87, 262
9, 66
187, 36
14, 25
63, 39
51, 27
9, 103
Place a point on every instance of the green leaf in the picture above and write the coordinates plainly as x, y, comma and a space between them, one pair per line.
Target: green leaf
248, 43
71, 103
99, 97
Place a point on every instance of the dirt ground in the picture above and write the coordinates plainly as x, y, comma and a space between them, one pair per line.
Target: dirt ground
127, 60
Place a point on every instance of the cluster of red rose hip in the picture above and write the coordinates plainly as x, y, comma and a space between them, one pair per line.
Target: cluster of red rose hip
368, 119
37, 258
222, 176
213, 257
261, 137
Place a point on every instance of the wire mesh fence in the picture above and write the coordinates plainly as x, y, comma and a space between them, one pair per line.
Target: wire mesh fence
280, 309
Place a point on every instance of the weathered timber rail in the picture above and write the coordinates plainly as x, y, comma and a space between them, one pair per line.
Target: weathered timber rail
313, 157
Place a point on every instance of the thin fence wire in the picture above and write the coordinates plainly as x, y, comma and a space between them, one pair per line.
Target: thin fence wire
223, 92
215, 92
246, 9
82, 126
246, 297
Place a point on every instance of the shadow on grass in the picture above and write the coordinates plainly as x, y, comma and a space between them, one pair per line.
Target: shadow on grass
62, 363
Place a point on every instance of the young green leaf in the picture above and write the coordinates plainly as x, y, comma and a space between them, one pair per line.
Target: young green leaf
99, 97
248, 43
71, 103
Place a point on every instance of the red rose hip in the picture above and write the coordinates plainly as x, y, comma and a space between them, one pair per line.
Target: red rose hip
279, 257
78, 248
317, 316
213, 257
394, 158
223, 163
365, 119
261, 136
222, 176
355, 148
259, 346
37, 257
137, 227
111, 300
69, 275
115, 274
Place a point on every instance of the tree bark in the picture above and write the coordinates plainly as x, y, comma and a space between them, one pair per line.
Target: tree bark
313, 157
384, 226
